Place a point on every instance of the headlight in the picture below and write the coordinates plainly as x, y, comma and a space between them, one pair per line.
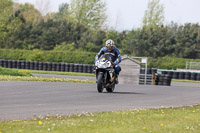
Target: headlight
100, 64
109, 64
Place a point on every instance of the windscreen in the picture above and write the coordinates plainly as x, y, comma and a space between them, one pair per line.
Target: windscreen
106, 57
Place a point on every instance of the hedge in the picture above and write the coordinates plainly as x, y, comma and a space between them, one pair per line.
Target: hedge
83, 57
169, 62
48, 56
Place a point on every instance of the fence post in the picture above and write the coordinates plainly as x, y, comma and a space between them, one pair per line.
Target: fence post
153, 78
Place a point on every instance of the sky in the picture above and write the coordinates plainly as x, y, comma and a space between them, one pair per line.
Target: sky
128, 14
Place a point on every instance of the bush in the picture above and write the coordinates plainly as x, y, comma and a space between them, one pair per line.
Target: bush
83, 57
168, 62
49, 56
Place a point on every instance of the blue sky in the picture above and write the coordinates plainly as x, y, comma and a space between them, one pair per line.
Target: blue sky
128, 14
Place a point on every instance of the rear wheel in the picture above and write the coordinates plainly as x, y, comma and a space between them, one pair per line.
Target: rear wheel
100, 85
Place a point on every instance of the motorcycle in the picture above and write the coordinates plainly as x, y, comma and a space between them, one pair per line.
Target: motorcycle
105, 74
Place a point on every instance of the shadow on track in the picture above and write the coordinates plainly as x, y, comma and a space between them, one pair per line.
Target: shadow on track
123, 93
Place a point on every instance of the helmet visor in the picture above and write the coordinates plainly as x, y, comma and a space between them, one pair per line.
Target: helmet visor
110, 47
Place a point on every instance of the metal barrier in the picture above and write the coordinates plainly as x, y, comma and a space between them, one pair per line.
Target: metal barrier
193, 65
153, 78
148, 79
149, 73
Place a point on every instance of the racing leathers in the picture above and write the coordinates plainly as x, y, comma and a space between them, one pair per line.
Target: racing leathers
115, 55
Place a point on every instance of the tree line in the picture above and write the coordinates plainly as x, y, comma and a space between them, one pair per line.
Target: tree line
175, 40
80, 26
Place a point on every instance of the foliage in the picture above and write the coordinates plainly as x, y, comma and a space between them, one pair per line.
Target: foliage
6, 10
92, 41
49, 56
5, 14
65, 47
78, 27
63, 11
187, 39
88, 12
47, 35
173, 40
13, 72
168, 62
162, 120
81, 57
154, 15
27, 13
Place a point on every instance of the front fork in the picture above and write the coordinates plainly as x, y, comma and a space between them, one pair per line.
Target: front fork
104, 76
108, 78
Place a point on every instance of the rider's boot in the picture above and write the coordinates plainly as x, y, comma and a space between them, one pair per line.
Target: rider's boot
116, 79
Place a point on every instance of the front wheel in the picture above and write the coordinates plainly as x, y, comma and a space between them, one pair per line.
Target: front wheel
110, 88
100, 85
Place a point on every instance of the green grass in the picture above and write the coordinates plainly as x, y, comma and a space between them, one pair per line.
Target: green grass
13, 72
42, 79
25, 72
182, 80
7, 74
61, 73
163, 120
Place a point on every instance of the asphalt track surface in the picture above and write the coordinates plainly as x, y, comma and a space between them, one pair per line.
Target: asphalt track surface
23, 99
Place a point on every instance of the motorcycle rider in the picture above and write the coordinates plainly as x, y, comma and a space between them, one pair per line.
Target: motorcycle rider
112, 50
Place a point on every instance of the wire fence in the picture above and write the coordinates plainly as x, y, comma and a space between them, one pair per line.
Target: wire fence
193, 65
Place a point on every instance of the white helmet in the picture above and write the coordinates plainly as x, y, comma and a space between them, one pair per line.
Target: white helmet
110, 44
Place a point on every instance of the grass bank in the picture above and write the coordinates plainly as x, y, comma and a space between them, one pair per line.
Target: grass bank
61, 73
182, 80
14, 72
163, 120
7, 74
43, 79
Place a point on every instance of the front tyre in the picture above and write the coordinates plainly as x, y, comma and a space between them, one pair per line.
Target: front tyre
100, 85
110, 88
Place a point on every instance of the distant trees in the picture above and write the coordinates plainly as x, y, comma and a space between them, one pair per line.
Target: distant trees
154, 15
43, 6
78, 27
173, 40
6, 10
27, 13
156, 40
187, 39
63, 11
28, 29
44, 35
5, 13
89, 12
48, 34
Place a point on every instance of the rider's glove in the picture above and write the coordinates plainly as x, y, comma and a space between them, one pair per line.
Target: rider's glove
115, 63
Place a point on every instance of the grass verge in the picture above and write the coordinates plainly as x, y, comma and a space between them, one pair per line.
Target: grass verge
60, 73
43, 79
13, 72
182, 80
163, 120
